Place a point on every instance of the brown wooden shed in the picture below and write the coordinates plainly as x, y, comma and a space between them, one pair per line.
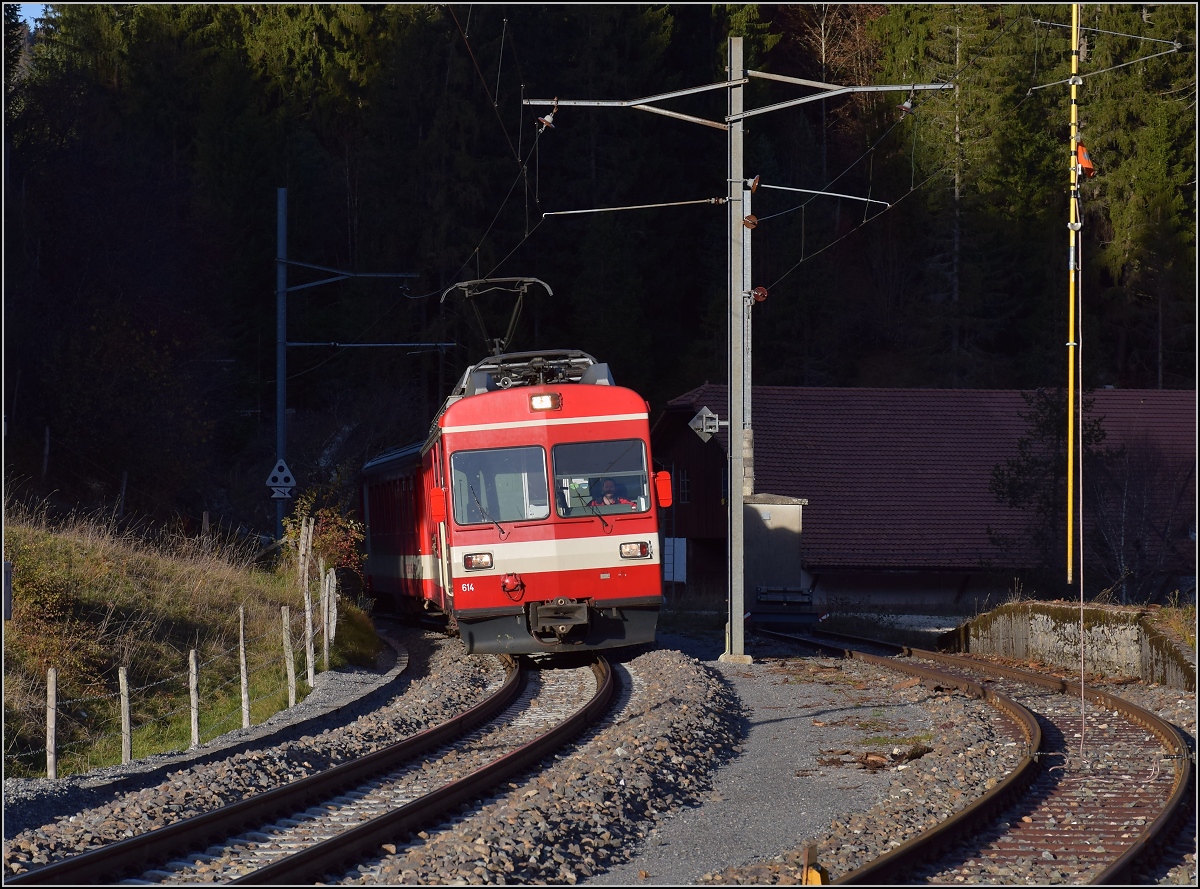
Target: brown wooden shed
899, 510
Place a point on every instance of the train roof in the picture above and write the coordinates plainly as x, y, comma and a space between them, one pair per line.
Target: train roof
393, 456
531, 369
511, 369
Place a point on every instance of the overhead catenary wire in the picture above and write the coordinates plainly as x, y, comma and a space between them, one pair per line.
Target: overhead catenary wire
870, 187
855, 230
495, 108
523, 174
832, 194
636, 207
1113, 33
499, 68
514, 249
955, 77
1165, 52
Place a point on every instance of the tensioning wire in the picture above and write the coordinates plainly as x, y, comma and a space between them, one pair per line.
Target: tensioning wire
917, 102
483, 81
1165, 52
954, 78
522, 174
853, 231
1102, 31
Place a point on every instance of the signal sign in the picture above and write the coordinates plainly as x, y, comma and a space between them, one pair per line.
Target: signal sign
706, 423
281, 481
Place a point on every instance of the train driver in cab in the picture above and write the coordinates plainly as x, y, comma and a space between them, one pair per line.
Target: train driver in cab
609, 494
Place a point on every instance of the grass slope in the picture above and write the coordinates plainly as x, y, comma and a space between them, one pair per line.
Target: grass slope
88, 600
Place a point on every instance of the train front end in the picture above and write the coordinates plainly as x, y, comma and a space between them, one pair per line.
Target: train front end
551, 516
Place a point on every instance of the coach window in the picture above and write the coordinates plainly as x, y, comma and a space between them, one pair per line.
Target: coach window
499, 485
581, 470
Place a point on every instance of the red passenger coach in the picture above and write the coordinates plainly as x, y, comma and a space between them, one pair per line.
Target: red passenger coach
530, 515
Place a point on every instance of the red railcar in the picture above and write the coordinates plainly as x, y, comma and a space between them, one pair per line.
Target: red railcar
498, 520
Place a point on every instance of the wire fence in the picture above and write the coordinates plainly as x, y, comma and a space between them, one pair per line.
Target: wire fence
186, 708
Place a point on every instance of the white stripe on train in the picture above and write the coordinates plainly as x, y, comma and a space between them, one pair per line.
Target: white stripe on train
545, 421
537, 556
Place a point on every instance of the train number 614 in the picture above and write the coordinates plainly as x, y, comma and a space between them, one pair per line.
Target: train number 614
468, 588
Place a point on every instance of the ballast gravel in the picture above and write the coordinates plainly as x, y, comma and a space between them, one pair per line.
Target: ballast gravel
827, 741
673, 724
1178, 866
704, 773
338, 695
95, 810
687, 777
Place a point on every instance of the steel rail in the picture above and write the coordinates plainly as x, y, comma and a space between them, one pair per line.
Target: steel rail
1171, 738
342, 850
981, 810
136, 854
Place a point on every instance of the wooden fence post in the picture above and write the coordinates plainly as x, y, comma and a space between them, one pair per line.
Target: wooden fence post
194, 687
242, 666
126, 728
321, 594
52, 723
311, 668
289, 661
333, 597
325, 614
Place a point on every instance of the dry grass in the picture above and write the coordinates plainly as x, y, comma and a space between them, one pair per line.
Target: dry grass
1179, 620
88, 599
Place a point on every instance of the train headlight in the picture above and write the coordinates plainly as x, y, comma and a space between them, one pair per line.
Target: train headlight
477, 561
640, 550
551, 401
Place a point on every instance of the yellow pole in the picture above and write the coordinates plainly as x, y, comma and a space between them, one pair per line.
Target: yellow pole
1073, 228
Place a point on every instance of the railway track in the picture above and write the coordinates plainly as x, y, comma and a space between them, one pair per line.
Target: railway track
325, 823
1090, 803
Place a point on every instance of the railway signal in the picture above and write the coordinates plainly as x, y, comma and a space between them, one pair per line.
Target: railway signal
281, 482
706, 423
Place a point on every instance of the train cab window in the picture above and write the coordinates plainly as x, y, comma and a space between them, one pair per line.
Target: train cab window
499, 485
584, 472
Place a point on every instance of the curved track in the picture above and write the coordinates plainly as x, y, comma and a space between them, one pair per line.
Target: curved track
1078, 817
306, 830
552, 713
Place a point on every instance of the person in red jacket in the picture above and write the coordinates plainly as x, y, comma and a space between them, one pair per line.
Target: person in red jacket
609, 495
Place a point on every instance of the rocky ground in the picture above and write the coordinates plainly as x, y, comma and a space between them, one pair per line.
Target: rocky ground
706, 772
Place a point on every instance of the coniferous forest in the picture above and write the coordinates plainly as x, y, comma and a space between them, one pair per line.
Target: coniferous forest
144, 145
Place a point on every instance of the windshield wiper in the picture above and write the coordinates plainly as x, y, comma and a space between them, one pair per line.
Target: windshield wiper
596, 513
485, 513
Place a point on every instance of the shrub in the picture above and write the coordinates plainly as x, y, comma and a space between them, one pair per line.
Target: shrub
337, 534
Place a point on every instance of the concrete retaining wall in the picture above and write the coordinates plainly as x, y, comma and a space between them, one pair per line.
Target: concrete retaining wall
1117, 642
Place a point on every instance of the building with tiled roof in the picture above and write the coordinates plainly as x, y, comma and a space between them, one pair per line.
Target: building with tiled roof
898, 483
